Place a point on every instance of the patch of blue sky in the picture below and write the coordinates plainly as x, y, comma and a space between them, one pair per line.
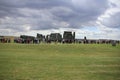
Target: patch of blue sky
91, 29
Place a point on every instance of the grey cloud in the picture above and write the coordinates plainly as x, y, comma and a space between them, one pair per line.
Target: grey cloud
80, 14
111, 18
113, 21
51, 14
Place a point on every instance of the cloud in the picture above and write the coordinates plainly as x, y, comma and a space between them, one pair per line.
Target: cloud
111, 18
43, 14
36, 15
113, 21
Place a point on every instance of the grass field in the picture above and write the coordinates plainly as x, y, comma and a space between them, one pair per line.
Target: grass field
59, 62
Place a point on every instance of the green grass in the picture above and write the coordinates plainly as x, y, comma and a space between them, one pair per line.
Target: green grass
59, 62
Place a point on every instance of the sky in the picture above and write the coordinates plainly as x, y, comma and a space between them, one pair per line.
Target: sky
95, 19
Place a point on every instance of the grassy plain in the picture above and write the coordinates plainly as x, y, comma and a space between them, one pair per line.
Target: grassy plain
59, 62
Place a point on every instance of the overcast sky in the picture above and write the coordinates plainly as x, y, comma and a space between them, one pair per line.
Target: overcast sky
95, 19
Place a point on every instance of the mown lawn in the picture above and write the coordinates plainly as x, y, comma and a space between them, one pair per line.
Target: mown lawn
59, 62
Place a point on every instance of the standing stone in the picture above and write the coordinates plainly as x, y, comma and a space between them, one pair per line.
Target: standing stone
113, 43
